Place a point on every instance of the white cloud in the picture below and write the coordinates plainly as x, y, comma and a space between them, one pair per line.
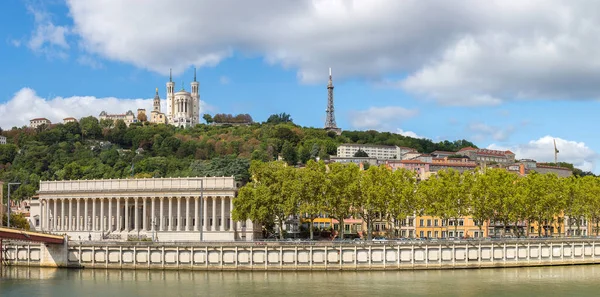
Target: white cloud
408, 133
89, 61
15, 42
224, 80
26, 105
542, 150
47, 38
380, 118
483, 131
456, 52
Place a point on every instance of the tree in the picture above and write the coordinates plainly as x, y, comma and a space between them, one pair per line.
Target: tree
279, 118
141, 117
17, 220
270, 196
589, 189
313, 185
442, 194
106, 123
289, 154
403, 201
506, 193
90, 127
342, 192
314, 151
543, 195
208, 118
375, 191
8, 152
489, 189
303, 154
361, 154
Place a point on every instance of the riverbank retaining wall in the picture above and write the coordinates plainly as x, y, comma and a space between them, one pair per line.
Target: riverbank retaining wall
310, 256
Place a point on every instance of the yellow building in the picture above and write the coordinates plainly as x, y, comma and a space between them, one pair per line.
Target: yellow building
434, 227
552, 229
156, 116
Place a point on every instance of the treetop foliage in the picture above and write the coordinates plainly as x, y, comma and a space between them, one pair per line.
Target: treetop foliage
221, 118
279, 118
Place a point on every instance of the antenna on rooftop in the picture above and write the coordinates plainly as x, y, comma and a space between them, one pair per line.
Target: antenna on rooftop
555, 153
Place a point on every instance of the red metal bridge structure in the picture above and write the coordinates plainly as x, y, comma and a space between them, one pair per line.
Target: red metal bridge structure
22, 235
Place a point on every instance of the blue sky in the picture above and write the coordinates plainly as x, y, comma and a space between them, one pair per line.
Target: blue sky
507, 75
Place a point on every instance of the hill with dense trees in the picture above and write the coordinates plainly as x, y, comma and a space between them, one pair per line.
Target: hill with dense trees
90, 149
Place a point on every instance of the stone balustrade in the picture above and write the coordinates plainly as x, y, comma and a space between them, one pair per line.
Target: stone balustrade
315, 256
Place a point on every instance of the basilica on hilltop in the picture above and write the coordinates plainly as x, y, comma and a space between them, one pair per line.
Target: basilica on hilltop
183, 108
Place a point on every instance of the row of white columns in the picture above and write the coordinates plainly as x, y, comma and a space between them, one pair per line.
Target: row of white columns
127, 218
182, 105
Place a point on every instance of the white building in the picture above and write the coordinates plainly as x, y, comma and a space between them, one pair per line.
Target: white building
34, 123
128, 117
2, 139
165, 209
183, 108
381, 152
69, 120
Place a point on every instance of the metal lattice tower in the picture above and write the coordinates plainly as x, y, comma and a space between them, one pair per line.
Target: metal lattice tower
330, 121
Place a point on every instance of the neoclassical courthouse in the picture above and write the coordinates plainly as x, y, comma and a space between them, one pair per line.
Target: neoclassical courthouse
166, 209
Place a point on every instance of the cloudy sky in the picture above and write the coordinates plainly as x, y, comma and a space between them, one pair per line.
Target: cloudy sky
503, 74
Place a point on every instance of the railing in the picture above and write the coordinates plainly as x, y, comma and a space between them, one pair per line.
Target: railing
191, 183
376, 242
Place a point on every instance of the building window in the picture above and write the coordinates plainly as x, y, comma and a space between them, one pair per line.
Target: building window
435, 222
421, 223
428, 234
421, 234
436, 234
428, 223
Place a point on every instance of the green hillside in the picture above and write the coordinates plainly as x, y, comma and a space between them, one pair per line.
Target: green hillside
93, 150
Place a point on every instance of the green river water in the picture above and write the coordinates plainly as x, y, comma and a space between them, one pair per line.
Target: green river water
537, 281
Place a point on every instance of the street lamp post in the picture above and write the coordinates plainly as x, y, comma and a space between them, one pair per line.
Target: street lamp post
8, 204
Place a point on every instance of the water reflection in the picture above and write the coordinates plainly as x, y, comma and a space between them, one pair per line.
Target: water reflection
543, 281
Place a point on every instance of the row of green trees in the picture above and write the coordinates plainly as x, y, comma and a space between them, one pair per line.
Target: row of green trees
277, 191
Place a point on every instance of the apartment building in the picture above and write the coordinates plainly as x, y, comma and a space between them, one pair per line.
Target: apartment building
69, 120
487, 155
34, 123
380, 152
434, 227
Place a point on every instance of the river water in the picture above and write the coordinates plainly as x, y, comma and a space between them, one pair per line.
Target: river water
537, 281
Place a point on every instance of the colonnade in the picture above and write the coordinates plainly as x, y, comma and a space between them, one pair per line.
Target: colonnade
135, 214
181, 105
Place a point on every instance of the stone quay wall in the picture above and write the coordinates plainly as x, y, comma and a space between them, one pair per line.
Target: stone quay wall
305, 256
